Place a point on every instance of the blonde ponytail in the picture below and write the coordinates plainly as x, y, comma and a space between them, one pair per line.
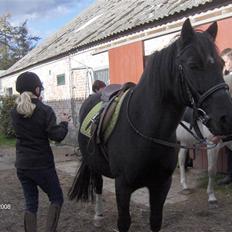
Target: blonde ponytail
24, 104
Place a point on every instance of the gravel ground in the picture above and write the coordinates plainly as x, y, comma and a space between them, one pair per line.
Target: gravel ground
190, 215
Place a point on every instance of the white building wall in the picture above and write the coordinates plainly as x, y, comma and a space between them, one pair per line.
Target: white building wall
48, 75
8, 82
83, 65
158, 43
75, 67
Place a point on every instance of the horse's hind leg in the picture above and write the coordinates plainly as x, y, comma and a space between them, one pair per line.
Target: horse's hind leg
123, 194
212, 169
158, 194
98, 217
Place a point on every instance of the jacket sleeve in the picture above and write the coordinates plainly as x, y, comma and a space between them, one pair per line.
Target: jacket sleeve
56, 132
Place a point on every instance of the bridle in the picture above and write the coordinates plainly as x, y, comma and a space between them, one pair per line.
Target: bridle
198, 113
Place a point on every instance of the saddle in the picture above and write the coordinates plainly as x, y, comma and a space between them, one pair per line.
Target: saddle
101, 120
110, 98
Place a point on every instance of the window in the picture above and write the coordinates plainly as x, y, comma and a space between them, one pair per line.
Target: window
102, 75
9, 91
60, 79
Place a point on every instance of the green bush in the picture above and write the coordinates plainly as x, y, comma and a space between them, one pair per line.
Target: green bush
6, 104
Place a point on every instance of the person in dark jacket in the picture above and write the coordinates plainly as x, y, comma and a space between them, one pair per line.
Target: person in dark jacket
227, 57
34, 124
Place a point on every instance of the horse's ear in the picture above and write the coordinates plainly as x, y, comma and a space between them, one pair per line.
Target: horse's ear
187, 32
212, 30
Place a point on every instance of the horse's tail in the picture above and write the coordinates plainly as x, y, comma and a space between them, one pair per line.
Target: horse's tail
83, 184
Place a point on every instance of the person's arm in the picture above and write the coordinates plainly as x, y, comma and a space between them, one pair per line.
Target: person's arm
56, 132
217, 139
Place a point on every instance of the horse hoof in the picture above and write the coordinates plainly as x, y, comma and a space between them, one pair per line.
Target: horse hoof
186, 191
213, 204
98, 219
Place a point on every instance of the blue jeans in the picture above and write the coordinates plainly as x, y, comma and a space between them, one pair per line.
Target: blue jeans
46, 179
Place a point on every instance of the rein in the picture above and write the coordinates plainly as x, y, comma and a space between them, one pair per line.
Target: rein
163, 142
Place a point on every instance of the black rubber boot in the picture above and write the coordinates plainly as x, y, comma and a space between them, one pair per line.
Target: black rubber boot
53, 217
30, 222
226, 180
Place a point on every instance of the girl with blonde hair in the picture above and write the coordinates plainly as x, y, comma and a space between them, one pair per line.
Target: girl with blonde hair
35, 123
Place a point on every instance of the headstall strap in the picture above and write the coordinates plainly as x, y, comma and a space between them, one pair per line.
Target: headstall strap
185, 85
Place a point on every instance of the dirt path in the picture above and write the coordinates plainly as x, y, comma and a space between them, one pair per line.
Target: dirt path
190, 214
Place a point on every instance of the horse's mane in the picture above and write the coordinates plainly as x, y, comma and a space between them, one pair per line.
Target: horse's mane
162, 64
159, 67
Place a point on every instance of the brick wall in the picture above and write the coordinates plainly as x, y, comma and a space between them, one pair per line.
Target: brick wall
71, 107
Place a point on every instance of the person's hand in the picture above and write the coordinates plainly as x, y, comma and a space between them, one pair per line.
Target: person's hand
65, 117
215, 139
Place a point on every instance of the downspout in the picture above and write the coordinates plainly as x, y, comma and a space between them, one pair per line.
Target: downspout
73, 104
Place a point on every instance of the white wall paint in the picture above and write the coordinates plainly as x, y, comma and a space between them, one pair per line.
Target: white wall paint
158, 43
76, 86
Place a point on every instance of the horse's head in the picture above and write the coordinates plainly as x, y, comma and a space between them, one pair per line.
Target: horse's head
201, 78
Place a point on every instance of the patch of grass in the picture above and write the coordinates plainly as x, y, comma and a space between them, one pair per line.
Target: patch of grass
7, 141
203, 182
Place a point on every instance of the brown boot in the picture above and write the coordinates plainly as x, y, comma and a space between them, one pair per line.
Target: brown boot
30, 222
53, 217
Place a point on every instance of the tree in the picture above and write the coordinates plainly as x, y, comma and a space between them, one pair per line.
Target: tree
6, 36
15, 42
6, 105
23, 41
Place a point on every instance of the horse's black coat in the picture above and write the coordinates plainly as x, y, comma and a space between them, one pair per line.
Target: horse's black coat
156, 107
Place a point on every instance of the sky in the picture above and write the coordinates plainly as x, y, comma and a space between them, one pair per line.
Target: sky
44, 16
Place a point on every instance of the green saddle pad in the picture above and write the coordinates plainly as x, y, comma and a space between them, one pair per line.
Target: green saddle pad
85, 129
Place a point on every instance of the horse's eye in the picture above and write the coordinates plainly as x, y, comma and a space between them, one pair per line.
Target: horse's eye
194, 66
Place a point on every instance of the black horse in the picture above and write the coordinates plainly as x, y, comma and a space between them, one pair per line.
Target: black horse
141, 150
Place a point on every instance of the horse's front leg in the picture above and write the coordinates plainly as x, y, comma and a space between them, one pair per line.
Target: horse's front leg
212, 155
98, 217
123, 195
158, 194
181, 161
